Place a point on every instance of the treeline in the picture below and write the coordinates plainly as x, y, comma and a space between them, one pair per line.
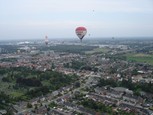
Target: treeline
136, 87
8, 49
117, 57
33, 82
37, 92
8, 60
70, 48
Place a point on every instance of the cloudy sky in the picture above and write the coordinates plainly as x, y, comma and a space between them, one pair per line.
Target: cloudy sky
29, 19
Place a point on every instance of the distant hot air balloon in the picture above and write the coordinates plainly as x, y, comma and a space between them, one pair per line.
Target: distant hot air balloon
81, 32
46, 40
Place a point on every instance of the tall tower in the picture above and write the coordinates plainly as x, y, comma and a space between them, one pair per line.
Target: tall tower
46, 40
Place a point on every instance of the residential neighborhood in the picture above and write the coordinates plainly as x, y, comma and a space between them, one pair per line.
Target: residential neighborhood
105, 78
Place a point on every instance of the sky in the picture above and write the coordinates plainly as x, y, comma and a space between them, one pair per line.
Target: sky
31, 19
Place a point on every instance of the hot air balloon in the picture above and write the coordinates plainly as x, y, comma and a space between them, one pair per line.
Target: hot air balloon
46, 40
81, 32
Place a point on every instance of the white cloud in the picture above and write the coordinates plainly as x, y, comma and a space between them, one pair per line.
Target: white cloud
63, 6
36, 17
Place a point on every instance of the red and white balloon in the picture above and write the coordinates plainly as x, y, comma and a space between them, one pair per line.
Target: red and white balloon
81, 32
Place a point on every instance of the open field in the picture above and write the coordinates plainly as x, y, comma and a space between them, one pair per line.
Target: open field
143, 58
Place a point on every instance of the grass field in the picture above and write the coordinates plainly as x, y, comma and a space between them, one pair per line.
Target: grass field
143, 58
97, 50
16, 94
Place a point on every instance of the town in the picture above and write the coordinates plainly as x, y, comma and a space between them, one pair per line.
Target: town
94, 77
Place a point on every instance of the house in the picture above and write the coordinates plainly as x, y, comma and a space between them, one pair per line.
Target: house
56, 112
55, 93
115, 94
68, 88
2, 112
22, 104
130, 98
14, 109
122, 90
42, 98
34, 101
41, 110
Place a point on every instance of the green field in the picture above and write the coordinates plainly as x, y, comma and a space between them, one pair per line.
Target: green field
16, 94
143, 58
97, 50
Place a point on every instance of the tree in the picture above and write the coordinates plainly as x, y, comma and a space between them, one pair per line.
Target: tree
29, 105
137, 92
77, 84
53, 66
134, 72
36, 107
